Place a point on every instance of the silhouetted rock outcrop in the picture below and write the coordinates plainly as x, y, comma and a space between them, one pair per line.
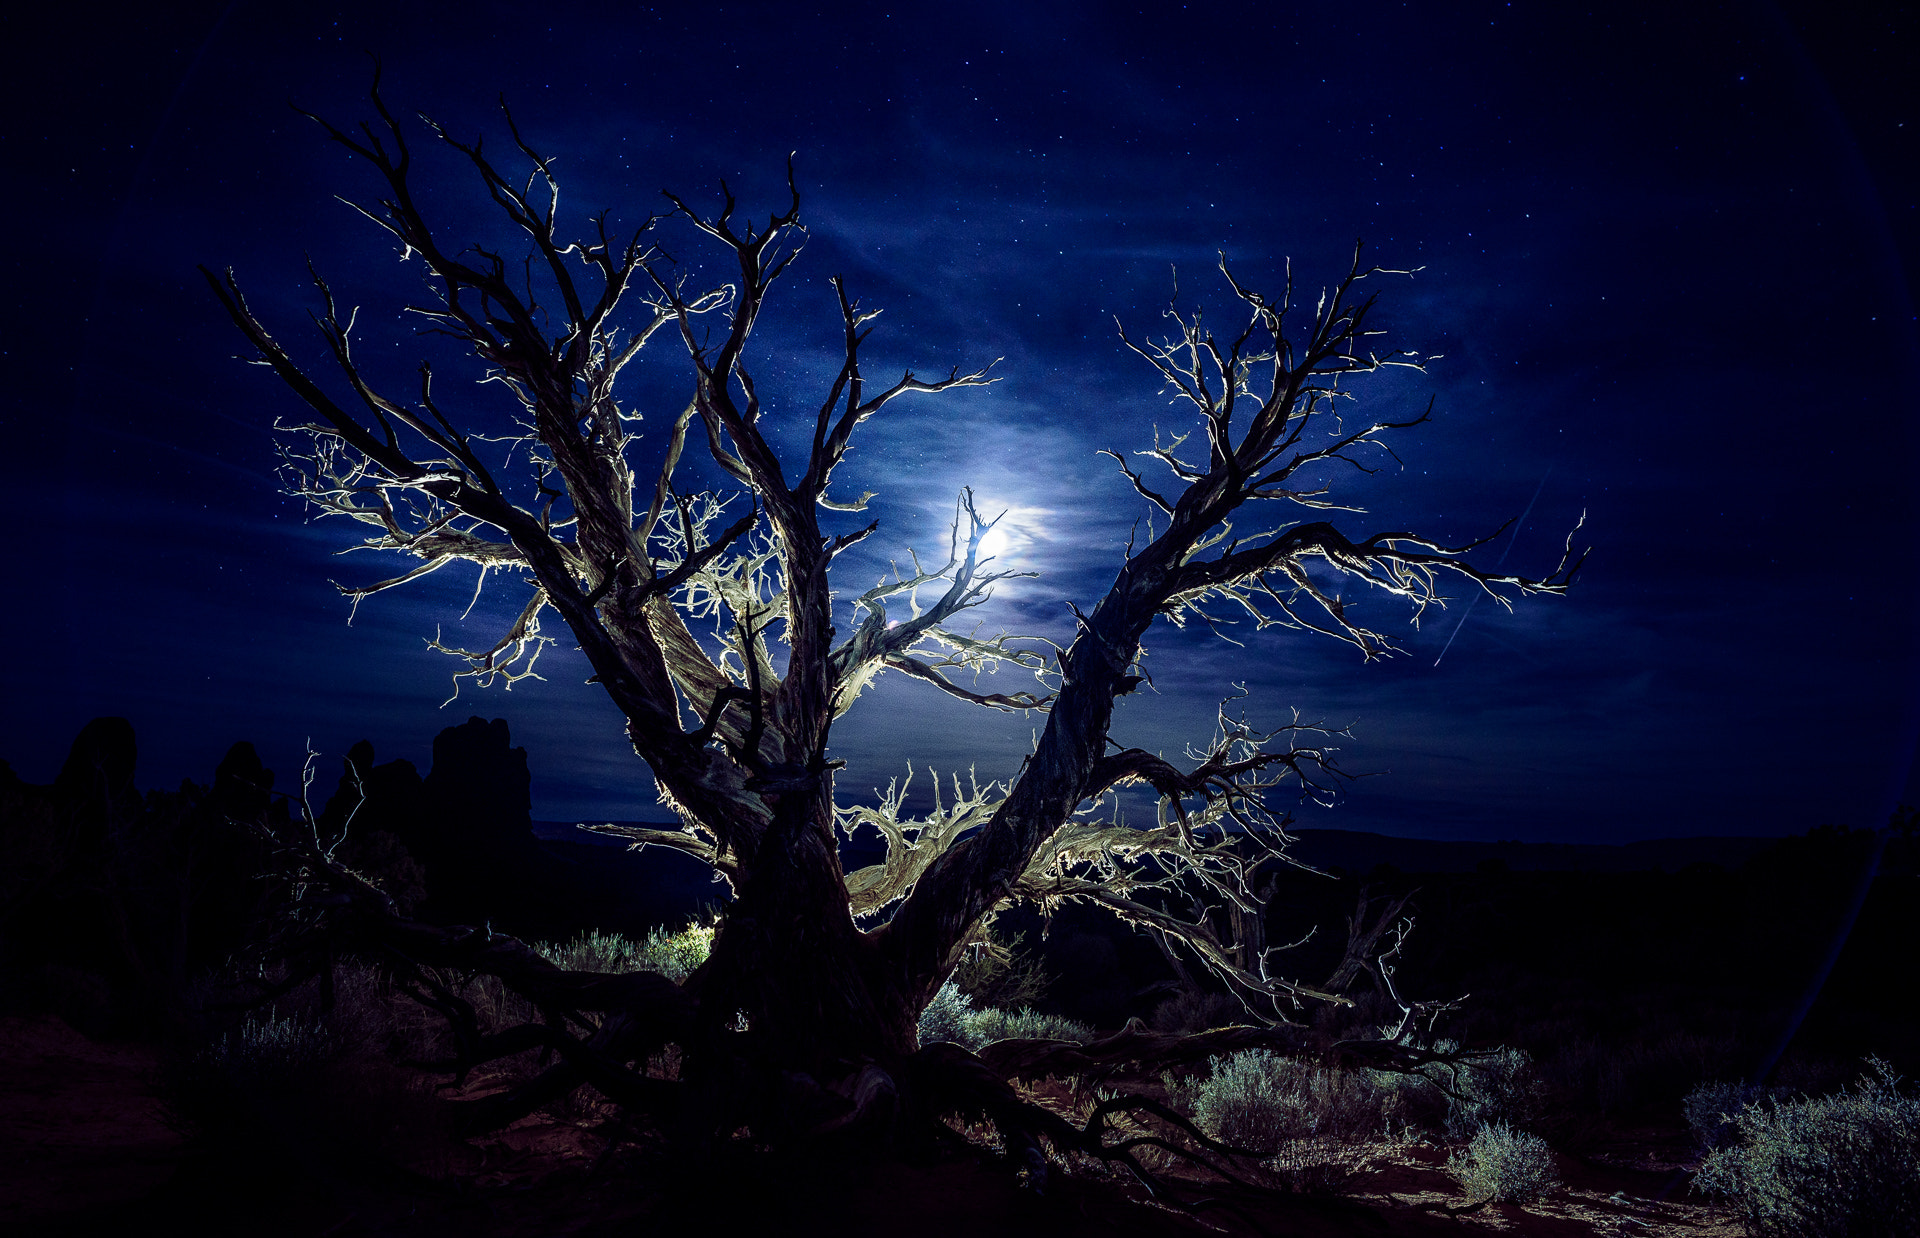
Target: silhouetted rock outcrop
242, 786
458, 846
479, 788
469, 822
374, 812
113, 902
97, 779
373, 798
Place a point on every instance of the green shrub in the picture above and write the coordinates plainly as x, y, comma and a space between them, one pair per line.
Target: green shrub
269, 1053
677, 955
1002, 970
673, 955
1194, 1010
1505, 1165
1501, 1085
1242, 1102
1260, 1100
946, 1016
279, 1096
1824, 1167
1711, 1109
594, 951
1311, 1124
1653, 1069
951, 1016
991, 1023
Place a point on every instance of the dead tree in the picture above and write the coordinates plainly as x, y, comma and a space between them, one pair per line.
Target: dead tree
830, 969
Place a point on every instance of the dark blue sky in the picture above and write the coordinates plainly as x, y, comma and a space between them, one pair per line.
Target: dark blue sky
1667, 258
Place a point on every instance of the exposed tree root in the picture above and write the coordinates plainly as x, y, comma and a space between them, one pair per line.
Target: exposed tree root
949, 1079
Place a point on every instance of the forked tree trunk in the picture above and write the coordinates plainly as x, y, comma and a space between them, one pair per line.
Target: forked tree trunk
790, 959
739, 743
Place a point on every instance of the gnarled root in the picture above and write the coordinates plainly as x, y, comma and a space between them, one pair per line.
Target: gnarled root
948, 1079
1131, 1045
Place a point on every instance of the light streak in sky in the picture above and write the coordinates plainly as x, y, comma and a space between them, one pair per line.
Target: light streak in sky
1517, 526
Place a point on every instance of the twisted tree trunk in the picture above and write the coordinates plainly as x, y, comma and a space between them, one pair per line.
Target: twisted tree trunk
801, 1020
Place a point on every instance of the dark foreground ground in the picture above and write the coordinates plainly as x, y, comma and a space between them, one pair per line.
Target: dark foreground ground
1629, 975
85, 1149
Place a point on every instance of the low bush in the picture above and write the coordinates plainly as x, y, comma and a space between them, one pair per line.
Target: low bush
300, 1060
1501, 1085
1650, 1071
1245, 1102
266, 1062
279, 1095
1847, 1164
296, 1081
1310, 1123
951, 1016
1001, 970
991, 1023
945, 1017
676, 955
673, 955
1504, 1165
1257, 1099
1711, 1108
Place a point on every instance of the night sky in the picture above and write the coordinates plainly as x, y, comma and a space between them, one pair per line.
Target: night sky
1667, 253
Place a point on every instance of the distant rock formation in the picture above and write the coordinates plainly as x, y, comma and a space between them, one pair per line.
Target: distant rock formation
112, 903
458, 846
242, 786
479, 787
97, 779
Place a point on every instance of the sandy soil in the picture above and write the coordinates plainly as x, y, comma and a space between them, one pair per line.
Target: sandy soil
84, 1149
80, 1125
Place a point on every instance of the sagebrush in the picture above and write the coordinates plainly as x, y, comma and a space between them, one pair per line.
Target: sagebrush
952, 1016
1310, 1123
1711, 1109
1845, 1165
1504, 1165
1499, 1085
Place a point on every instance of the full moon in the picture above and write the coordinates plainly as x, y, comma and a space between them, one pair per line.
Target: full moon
994, 543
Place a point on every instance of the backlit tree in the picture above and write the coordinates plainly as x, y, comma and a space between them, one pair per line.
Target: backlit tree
710, 621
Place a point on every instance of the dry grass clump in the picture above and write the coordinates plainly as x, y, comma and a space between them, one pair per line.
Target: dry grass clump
284, 1089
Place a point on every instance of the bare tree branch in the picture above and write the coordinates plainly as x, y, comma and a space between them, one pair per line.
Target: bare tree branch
710, 621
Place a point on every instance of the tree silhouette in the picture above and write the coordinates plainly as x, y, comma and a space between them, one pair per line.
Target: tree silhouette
803, 1021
